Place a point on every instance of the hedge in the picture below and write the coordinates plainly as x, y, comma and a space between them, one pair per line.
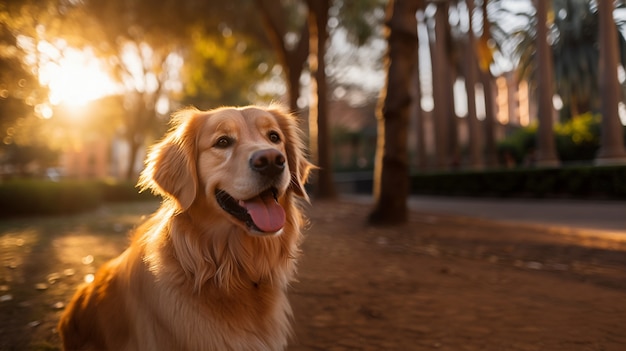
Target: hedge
606, 182
580, 182
38, 197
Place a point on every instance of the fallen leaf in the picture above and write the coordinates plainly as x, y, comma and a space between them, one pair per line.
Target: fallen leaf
33, 324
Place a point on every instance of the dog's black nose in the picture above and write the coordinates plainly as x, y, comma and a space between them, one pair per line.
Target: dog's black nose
268, 162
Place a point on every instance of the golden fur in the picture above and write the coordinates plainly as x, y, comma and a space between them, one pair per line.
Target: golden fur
195, 277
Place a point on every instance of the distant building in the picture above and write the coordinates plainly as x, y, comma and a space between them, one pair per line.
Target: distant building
98, 159
513, 101
89, 160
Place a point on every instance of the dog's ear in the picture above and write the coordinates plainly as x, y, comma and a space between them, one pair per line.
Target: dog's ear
300, 176
299, 166
170, 166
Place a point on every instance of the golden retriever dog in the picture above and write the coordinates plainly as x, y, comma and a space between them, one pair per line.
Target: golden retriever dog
210, 269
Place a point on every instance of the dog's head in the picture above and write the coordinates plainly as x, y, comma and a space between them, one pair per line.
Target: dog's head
242, 161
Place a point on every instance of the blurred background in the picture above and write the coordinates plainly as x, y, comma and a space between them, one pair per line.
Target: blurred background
488, 91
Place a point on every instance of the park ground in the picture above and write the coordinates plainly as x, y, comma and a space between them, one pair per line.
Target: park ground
438, 282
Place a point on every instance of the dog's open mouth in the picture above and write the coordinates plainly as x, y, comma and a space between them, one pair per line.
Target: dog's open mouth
262, 213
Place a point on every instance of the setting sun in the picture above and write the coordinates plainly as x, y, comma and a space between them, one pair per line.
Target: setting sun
76, 78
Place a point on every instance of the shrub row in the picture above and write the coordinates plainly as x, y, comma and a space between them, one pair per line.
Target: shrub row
575, 140
37, 197
598, 182
608, 182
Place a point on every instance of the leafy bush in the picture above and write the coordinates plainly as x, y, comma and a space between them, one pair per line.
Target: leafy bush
113, 191
518, 145
572, 182
579, 138
37, 197
25, 197
576, 140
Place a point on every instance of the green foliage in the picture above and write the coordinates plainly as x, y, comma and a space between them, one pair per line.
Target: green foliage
224, 70
360, 19
574, 45
518, 145
570, 182
580, 182
19, 87
37, 197
577, 139
31, 197
20, 157
122, 191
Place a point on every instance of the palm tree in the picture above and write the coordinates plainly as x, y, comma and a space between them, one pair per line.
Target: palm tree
575, 55
546, 149
418, 113
484, 53
612, 143
442, 108
392, 169
476, 159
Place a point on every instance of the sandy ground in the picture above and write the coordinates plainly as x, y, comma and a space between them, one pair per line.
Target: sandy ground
439, 282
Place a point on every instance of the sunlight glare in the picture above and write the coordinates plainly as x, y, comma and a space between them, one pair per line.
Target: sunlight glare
89, 278
44, 111
76, 78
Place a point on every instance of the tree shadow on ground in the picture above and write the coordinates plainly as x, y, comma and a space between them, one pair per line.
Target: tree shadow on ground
44, 259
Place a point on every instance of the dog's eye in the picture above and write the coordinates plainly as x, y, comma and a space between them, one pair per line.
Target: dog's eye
274, 137
224, 142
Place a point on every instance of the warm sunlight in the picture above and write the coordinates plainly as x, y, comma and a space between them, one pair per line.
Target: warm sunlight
76, 78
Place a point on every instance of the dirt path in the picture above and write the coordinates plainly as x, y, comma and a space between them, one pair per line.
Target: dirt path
447, 284
436, 283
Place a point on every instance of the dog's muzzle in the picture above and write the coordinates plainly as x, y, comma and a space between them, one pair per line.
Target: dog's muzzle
261, 213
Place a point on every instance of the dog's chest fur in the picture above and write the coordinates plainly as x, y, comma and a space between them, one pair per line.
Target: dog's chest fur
171, 318
243, 315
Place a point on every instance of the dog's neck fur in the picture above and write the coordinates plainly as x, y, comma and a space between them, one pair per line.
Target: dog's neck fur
231, 260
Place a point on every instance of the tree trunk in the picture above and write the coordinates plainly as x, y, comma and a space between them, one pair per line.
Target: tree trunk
391, 179
418, 114
140, 121
133, 148
491, 154
452, 137
475, 146
292, 60
319, 128
612, 134
491, 157
454, 152
441, 108
546, 150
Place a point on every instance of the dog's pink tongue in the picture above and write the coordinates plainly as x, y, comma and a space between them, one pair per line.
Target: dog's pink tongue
266, 213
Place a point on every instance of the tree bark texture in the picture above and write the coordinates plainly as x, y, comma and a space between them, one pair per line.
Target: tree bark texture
612, 134
442, 106
491, 157
391, 177
546, 150
418, 114
319, 127
475, 137
491, 154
